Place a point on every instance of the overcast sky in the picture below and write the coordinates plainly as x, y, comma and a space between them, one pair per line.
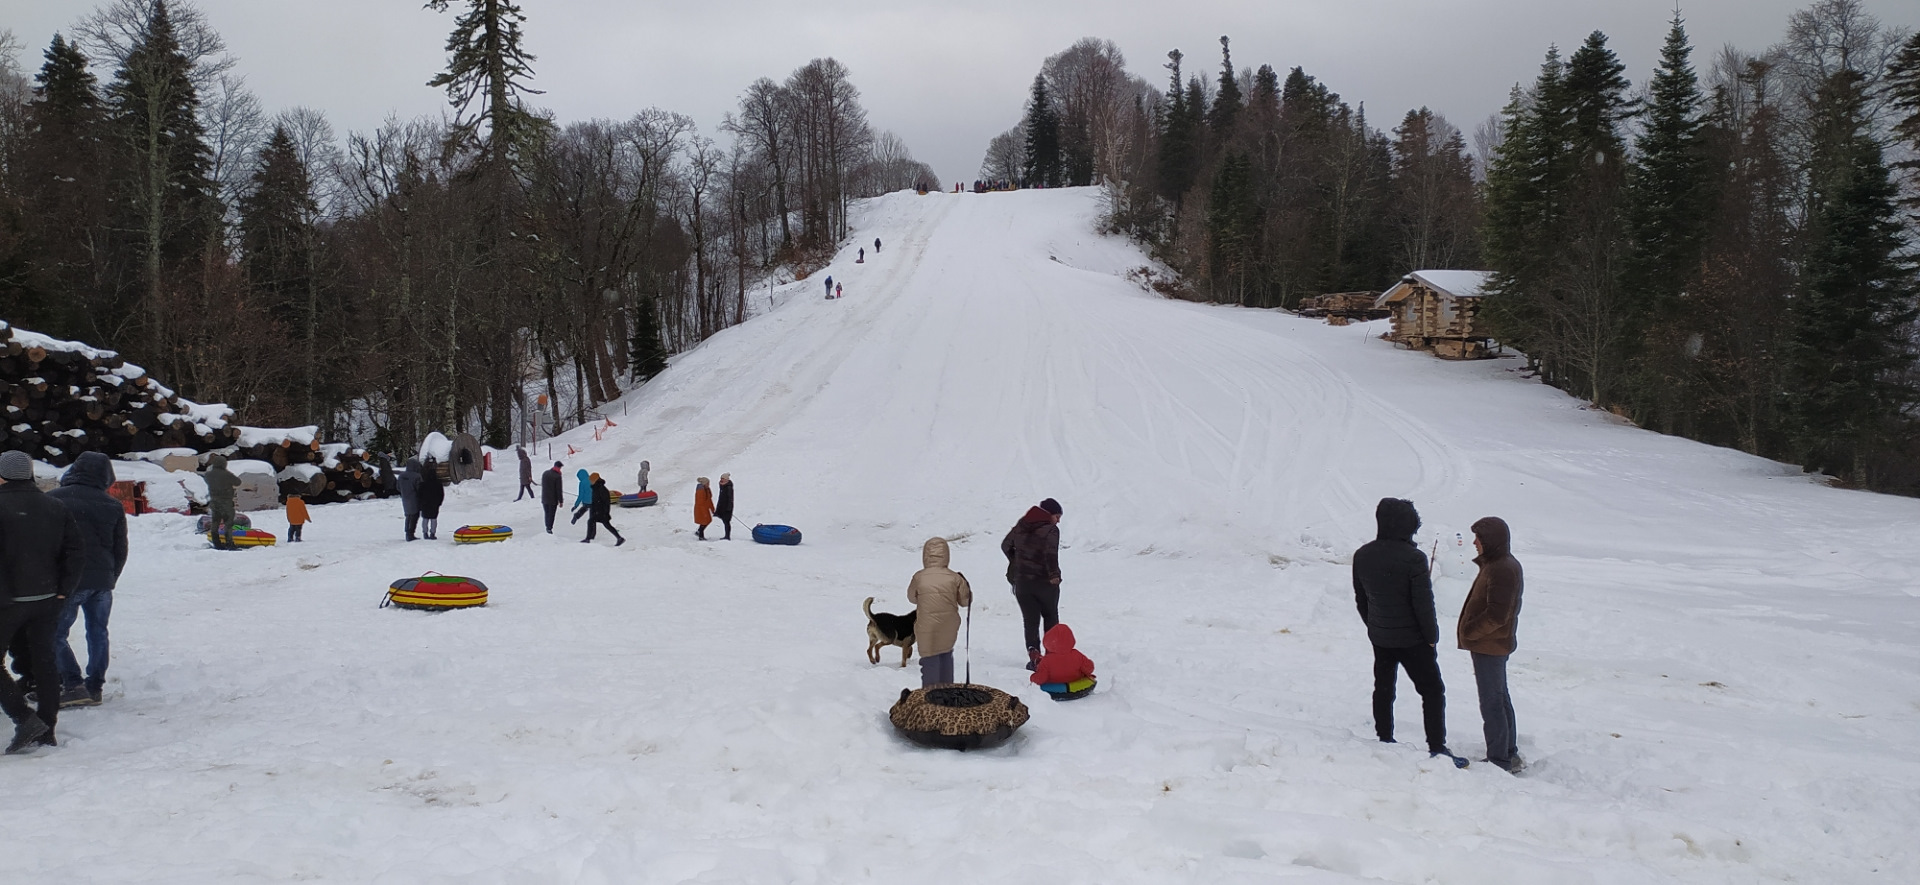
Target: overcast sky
947, 76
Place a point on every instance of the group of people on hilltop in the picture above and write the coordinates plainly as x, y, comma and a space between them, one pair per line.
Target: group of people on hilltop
61, 553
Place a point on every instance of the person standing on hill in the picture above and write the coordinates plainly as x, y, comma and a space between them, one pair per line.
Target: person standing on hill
433, 493
1488, 622
583, 497
410, 494
103, 532
644, 468
702, 508
601, 508
724, 507
837, 293
939, 593
42, 559
1033, 568
1394, 593
551, 493
829, 286
876, 246
297, 517
221, 484
526, 474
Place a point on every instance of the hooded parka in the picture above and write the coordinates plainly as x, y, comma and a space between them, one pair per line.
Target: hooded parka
939, 593
1391, 586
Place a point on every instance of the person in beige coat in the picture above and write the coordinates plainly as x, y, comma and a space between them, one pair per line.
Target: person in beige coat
940, 593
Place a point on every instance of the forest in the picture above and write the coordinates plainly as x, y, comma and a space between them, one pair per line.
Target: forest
1724, 252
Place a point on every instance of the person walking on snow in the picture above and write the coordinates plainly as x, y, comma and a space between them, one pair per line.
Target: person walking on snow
876, 246
644, 468
939, 593
1392, 589
837, 291
1033, 568
221, 484
582, 499
1488, 621
297, 517
829, 287
702, 508
42, 559
526, 474
433, 493
863, 256
601, 507
103, 532
723, 508
551, 493
410, 494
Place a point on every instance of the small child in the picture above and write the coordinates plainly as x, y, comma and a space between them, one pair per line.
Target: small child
296, 517
1063, 671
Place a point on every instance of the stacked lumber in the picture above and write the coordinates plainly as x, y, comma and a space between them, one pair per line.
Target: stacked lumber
62, 398
1344, 306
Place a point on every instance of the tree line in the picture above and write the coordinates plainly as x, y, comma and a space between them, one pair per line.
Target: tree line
432, 274
1728, 257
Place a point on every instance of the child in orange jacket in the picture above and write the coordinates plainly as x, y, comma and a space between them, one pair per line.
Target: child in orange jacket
702, 508
1063, 671
296, 517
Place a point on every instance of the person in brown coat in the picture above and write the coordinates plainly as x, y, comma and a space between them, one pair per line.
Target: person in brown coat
1488, 621
702, 508
940, 593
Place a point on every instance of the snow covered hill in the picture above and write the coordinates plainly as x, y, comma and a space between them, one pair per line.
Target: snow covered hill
1718, 677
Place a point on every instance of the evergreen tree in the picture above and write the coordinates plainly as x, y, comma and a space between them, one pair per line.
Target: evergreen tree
1226, 102
487, 66
646, 350
1903, 91
1233, 229
63, 185
1179, 159
1043, 167
1855, 307
278, 245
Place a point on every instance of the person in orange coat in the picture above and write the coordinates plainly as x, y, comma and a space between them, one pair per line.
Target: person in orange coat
296, 517
702, 508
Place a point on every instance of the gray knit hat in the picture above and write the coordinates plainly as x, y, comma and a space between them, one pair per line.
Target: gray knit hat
16, 466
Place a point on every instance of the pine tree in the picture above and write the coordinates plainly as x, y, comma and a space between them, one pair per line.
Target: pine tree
63, 183
648, 354
1233, 229
278, 242
1179, 159
1043, 138
1856, 302
1226, 102
487, 65
1903, 92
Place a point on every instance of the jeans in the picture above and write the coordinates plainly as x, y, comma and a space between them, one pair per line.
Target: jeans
1039, 604
1422, 663
1496, 708
293, 532
35, 622
413, 522
936, 669
97, 604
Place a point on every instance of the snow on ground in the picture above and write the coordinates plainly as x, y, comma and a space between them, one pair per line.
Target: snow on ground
1716, 679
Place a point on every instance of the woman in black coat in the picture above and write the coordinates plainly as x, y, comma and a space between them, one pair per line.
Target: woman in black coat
432, 494
724, 507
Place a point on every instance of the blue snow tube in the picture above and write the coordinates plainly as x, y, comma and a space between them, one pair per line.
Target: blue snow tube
776, 534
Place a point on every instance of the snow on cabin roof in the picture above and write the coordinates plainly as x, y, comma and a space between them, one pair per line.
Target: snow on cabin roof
1458, 283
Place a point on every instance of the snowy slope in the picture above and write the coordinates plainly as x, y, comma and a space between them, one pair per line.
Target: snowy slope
1716, 680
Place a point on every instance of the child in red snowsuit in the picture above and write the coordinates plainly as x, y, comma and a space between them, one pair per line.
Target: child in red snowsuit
1063, 671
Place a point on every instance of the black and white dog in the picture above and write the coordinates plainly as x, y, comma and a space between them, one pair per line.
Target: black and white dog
884, 629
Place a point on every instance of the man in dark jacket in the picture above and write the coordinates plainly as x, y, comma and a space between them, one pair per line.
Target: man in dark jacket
410, 494
432, 493
221, 484
1033, 568
723, 508
103, 528
1393, 589
526, 474
601, 510
1488, 622
41, 560
550, 493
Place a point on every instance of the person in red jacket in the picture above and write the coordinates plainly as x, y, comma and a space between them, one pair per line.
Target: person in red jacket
1063, 665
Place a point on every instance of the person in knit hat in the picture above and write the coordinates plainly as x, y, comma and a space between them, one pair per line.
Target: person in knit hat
702, 508
723, 508
1033, 568
42, 559
600, 508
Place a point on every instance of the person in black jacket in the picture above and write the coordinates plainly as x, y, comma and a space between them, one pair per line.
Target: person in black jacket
1032, 548
601, 510
723, 508
432, 494
551, 493
103, 527
1394, 592
42, 557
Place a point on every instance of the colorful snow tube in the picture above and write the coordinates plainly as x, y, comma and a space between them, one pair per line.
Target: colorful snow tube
1069, 691
205, 524
435, 592
247, 537
640, 499
481, 534
957, 717
776, 534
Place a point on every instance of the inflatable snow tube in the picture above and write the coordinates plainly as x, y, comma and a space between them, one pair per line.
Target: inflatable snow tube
481, 534
1069, 691
958, 717
247, 537
776, 534
435, 593
240, 521
640, 499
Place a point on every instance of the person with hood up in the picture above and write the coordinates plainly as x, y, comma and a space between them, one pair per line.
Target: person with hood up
645, 467
551, 493
600, 505
702, 507
297, 517
433, 493
42, 559
221, 484
1488, 621
724, 507
583, 497
939, 593
103, 532
410, 494
526, 474
1394, 592
1063, 669
876, 245
1033, 568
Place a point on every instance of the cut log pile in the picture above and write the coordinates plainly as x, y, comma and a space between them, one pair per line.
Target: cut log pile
1346, 306
320, 473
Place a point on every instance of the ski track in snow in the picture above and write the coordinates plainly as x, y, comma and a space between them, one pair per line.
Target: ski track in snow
1716, 679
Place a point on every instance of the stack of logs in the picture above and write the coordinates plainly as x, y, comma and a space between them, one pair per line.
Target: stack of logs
60, 403
342, 472
1341, 308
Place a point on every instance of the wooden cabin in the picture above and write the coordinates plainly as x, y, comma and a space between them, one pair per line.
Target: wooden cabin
1438, 311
